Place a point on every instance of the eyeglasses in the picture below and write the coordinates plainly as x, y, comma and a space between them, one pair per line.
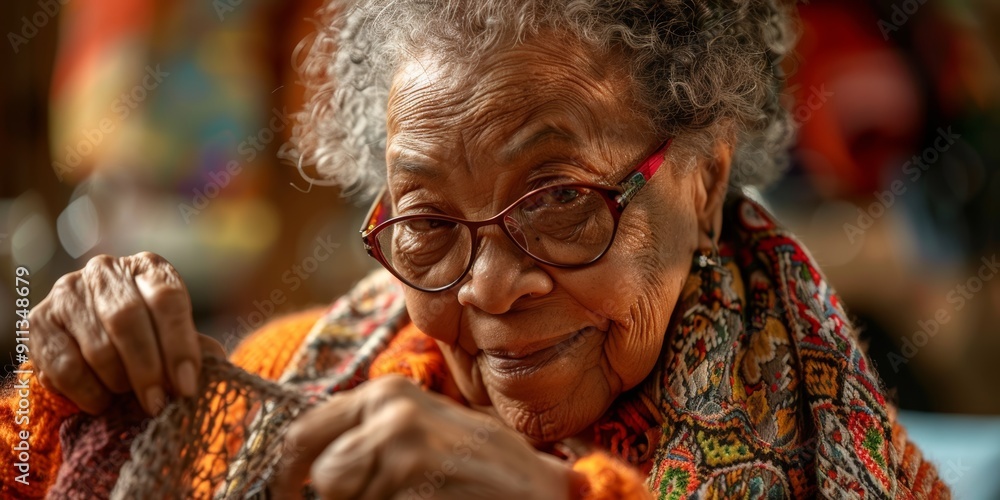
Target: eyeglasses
564, 225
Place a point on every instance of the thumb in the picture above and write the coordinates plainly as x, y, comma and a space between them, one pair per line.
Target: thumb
211, 347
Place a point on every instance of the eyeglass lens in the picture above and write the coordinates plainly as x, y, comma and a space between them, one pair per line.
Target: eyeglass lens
564, 225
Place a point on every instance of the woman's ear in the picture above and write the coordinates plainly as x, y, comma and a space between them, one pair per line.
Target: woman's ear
712, 184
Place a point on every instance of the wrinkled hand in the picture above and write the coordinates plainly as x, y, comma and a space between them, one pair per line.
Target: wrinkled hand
119, 325
390, 439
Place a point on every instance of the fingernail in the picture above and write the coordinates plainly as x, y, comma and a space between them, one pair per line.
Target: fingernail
186, 378
155, 399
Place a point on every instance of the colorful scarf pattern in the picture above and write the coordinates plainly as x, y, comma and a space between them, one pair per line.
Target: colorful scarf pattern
762, 390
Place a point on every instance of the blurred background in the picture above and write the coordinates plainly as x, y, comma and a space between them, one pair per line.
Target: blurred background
133, 125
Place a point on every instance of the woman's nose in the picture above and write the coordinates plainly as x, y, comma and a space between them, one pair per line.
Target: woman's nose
501, 275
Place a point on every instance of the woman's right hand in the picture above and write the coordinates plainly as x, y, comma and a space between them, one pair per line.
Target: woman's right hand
119, 324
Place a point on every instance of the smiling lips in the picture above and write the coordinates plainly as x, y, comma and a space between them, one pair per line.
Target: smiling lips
536, 355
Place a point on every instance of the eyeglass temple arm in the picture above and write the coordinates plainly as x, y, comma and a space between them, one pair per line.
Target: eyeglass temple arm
378, 214
638, 178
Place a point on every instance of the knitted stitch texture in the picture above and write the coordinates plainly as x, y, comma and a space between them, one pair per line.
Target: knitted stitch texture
266, 352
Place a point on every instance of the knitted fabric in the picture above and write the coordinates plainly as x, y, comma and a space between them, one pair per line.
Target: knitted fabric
45, 413
185, 452
606, 478
98, 448
177, 455
265, 352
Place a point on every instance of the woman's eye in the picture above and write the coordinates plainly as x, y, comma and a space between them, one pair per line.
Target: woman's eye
429, 225
552, 199
422, 242
565, 195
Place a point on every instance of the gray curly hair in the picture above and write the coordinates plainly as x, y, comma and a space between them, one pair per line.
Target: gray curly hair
704, 70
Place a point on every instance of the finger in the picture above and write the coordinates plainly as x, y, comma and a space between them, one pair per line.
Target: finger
123, 313
389, 452
498, 474
70, 376
210, 346
346, 467
309, 435
452, 490
95, 344
45, 381
169, 305
58, 357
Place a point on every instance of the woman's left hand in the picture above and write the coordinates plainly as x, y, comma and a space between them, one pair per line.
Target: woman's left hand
390, 439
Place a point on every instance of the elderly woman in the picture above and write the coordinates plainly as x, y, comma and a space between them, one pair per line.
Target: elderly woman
572, 275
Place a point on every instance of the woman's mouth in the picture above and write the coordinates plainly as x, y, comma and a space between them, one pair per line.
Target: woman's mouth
525, 361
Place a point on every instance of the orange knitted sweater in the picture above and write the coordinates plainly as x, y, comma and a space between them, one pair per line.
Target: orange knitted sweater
30, 416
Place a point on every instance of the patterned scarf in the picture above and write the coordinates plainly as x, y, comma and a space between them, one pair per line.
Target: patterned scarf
762, 390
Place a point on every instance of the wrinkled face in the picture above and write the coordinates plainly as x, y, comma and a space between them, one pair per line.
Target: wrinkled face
548, 348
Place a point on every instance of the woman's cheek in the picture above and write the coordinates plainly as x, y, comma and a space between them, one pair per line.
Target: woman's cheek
650, 277
435, 314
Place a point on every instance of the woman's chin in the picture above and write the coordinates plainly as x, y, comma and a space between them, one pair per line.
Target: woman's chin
546, 422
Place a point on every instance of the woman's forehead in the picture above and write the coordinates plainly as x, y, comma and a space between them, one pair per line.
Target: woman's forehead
532, 89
